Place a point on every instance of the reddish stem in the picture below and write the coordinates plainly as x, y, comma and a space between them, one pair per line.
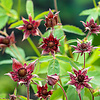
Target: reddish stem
63, 90
79, 96
92, 94
28, 92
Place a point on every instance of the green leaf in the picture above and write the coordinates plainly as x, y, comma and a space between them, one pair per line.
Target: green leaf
56, 94
71, 41
62, 49
73, 29
38, 79
94, 15
96, 93
2, 95
5, 62
3, 21
95, 56
8, 51
7, 3
2, 12
53, 67
13, 17
41, 15
18, 23
22, 98
88, 12
72, 93
45, 58
58, 32
96, 77
30, 8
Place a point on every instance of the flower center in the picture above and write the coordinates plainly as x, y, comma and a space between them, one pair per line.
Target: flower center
50, 44
83, 46
6, 41
44, 92
93, 25
80, 78
22, 72
29, 27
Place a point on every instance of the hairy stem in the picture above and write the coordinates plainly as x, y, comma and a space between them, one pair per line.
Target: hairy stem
19, 53
79, 96
28, 92
33, 46
15, 54
84, 60
92, 94
63, 90
77, 56
88, 34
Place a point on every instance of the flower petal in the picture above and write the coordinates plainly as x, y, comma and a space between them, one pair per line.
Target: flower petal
50, 15
12, 37
31, 66
21, 27
84, 71
16, 65
72, 76
26, 35
75, 71
24, 20
78, 88
37, 23
87, 85
30, 18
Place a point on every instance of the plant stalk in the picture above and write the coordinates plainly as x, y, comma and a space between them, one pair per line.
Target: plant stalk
33, 46
63, 90
79, 96
19, 3
28, 92
19, 53
77, 56
92, 94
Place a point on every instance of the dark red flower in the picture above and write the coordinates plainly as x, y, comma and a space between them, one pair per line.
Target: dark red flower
13, 97
83, 46
7, 41
30, 27
80, 79
22, 73
51, 20
50, 44
42, 92
92, 26
52, 79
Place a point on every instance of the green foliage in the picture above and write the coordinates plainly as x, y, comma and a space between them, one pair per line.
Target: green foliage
41, 15
30, 8
9, 61
94, 12
73, 29
53, 67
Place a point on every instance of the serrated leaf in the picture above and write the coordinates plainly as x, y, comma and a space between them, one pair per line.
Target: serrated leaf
45, 58
30, 8
53, 67
7, 3
87, 12
73, 29
94, 15
5, 62
61, 41
41, 15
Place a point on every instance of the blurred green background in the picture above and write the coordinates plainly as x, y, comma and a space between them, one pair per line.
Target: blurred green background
69, 14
